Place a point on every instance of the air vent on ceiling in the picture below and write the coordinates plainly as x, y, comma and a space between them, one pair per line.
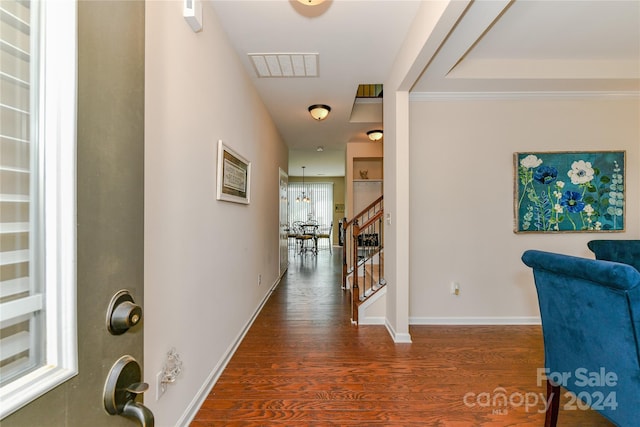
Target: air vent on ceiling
285, 64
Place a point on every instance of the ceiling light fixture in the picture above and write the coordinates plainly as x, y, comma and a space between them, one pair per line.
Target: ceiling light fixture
319, 111
320, 149
303, 197
311, 2
375, 135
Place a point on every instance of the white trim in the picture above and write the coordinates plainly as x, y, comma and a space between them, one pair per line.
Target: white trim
373, 320
516, 320
58, 116
362, 308
470, 96
397, 338
194, 406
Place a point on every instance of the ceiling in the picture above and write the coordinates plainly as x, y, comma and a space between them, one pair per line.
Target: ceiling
496, 46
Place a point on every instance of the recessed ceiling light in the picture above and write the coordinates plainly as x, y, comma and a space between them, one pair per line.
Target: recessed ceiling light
320, 148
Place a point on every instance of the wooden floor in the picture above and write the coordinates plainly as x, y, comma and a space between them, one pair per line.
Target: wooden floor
303, 364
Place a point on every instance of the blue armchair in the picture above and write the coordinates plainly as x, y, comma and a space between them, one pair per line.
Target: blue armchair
590, 312
624, 251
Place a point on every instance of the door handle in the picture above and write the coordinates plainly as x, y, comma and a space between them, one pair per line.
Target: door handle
123, 385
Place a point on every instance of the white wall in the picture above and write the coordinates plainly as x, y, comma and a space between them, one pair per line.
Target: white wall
461, 191
202, 256
357, 150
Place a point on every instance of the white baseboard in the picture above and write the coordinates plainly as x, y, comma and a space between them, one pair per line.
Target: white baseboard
193, 407
374, 320
397, 338
517, 320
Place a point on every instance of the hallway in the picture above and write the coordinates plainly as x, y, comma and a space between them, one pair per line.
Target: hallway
303, 363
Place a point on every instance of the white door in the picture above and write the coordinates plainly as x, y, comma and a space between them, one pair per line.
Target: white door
284, 221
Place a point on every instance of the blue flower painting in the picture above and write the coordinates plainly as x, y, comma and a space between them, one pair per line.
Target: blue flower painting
570, 191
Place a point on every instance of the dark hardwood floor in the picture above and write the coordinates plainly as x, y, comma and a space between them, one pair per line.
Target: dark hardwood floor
303, 364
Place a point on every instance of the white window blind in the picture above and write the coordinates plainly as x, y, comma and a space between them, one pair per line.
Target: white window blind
320, 208
21, 298
38, 339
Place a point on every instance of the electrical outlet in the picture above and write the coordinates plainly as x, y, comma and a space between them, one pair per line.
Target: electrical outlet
455, 288
259, 279
159, 388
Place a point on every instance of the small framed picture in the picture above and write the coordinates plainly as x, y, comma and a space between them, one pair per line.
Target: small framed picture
234, 176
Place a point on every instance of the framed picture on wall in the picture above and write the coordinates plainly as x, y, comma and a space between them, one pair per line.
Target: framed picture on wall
234, 176
569, 191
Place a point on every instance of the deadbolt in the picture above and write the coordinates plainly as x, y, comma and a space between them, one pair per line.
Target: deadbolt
123, 313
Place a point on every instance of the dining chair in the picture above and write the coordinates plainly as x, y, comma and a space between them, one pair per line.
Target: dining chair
304, 236
291, 236
325, 233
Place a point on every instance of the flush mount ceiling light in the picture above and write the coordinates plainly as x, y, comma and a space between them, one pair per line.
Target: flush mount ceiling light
311, 2
375, 135
319, 111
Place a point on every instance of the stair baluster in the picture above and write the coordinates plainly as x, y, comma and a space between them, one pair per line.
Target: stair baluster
363, 242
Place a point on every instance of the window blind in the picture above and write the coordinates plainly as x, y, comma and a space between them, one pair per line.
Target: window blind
320, 208
21, 298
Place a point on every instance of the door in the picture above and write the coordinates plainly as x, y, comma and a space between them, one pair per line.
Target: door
110, 202
284, 221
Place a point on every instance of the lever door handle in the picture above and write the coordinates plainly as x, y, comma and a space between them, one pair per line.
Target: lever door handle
138, 388
122, 387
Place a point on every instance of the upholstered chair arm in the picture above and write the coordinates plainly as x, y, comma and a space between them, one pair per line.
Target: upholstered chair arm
607, 273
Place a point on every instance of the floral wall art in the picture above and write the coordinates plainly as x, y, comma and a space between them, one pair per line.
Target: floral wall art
569, 191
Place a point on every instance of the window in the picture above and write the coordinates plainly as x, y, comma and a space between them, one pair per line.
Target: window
37, 199
320, 208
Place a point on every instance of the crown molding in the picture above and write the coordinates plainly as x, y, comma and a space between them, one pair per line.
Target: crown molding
470, 96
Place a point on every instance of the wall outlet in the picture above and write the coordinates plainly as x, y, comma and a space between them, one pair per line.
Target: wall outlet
159, 388
455, 288
259, 279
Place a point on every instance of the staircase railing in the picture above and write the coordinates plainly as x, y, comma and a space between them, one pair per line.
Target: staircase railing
362, 263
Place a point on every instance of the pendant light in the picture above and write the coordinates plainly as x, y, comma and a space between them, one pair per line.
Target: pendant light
303, 197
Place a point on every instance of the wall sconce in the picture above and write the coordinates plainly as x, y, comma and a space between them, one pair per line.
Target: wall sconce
375, 135
319, 111
311, 2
